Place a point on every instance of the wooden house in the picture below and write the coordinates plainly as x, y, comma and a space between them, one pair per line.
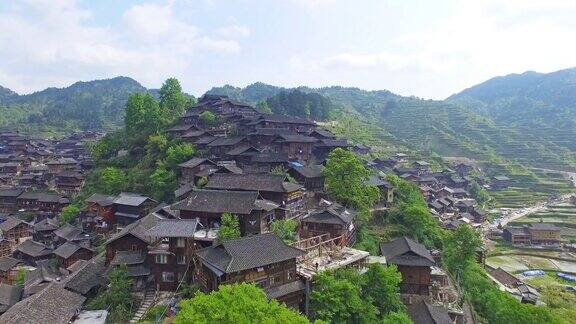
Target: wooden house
414, 262
172, 251
15, 229
323, 147
31, 252
297, 147
10, 167
297, 125
70, 233
8, 199
425, 312
267, 161
130, 207
103, 207
263, 260
69, 181
384, 187
221, 145
6, 247
62, 164
190, 168
310, 177
271, 187
68, 253
43, 231
329, 218
254, 214
517, 235
9, 267
262, 138
545, 234
242, 155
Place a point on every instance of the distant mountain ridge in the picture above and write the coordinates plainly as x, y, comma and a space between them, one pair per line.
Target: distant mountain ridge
94, 105
527, 118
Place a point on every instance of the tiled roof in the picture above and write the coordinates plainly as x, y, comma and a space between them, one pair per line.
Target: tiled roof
7, 263
333, 214
33, 248
67, 249
102, 200
404, 251
248, 253
130, 199
194, 162
68, 232
128, 258
310, 171
138, 229
226, 141
426, 313
9, 295
10, 223
87, 277
250, 182
219, 201
174, 228
53, 304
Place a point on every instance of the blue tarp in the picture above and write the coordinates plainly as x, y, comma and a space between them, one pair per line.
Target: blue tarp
533, 273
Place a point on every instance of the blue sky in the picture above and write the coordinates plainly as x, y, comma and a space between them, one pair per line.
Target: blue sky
429, 49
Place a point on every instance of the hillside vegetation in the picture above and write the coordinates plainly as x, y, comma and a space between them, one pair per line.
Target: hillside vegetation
93, 105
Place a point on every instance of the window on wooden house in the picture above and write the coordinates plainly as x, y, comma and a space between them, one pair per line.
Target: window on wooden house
161, 258
167, 276
180, 242
181, 259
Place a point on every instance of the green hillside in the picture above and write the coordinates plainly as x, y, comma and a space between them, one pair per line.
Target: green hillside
94, 105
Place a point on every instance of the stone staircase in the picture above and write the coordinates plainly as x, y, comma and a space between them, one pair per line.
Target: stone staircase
149, 297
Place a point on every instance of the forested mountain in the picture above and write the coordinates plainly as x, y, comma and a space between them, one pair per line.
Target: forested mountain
527, 119
97, 105
539, 107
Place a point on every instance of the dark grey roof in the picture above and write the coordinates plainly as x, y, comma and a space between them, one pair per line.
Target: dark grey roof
205, 140
285, 289
404, 251
333, 214
182, 190
259, 131
270, 157
296, 139
323, 133
128, 258
53, 304
88, 276
332, 143
517, 230
47, 224
68, 232
378, 182
7, 263
250, 182
243, 149
226, 141
426, 313
544, 227
310, 171
33, 248
9, 295
11, 192
174, 228
138, 229
248, 253
102, 200
10, 223
194, 162
219, 201
282, 119
138, 271
131, 199
62, 161
67, 249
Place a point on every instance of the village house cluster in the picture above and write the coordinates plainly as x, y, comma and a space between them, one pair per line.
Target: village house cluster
258, 167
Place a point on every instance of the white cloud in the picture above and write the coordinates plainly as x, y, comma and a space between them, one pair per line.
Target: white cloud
233, 31
54, 43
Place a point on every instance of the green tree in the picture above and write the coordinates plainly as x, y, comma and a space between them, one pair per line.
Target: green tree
262, 106
156, 144
382, 285
285, 229
117, 298
177, 154
396, 318
69, 214
172, 99
20, 277
347, 178
112, 181
143, 117
208, 118
340, 301
163, 183
460, 246
230, 228
479, 194
237, 303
